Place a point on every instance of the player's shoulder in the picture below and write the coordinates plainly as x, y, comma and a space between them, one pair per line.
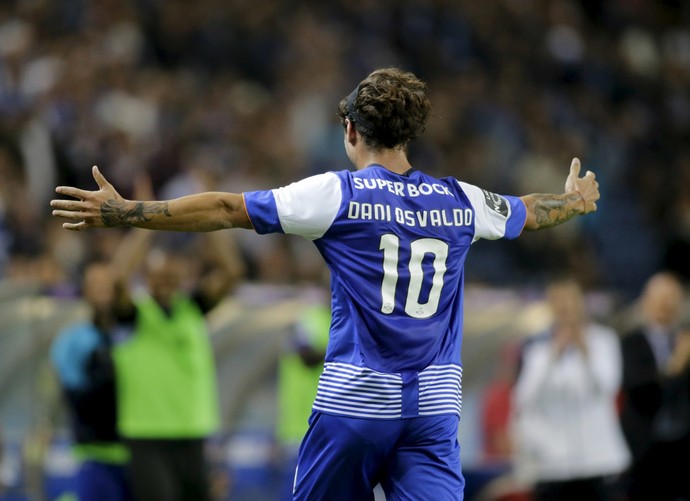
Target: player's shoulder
323, 180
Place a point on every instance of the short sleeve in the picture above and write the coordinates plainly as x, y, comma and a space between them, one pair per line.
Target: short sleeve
496, 216
306, 208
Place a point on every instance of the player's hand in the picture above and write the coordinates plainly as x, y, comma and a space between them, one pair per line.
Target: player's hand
87, 211
586, 186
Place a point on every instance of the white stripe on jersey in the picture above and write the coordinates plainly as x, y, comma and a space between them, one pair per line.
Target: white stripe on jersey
350, 390
357, 391
440, 390
308, 207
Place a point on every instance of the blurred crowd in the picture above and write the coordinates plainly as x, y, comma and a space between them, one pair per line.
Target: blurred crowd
238, 95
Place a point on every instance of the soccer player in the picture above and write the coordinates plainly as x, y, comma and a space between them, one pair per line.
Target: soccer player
395, 239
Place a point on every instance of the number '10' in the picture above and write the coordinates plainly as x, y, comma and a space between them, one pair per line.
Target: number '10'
390, 245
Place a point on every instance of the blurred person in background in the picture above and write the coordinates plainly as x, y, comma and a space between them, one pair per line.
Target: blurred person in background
567, 436
82, 357
654, 356
672, 422
395, 239
298, 377
166, 379
164, 367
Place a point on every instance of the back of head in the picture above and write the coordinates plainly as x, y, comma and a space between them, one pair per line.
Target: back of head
389, 108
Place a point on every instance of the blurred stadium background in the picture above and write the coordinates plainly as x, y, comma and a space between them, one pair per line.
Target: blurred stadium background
242, 95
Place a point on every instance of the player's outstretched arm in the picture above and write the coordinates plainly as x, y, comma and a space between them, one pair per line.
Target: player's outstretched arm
545, 210
105, 208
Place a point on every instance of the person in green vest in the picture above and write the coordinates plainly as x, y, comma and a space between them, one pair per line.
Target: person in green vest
165, 370
298, 377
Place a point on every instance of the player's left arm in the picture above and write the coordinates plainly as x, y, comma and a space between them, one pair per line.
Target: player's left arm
105, 208
545, 210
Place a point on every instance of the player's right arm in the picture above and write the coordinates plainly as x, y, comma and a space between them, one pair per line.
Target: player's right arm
105, 208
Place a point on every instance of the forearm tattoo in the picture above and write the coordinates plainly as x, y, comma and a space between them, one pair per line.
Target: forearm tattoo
552, 210
122, 213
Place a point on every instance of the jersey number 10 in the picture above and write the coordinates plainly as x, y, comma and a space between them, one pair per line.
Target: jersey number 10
390, 245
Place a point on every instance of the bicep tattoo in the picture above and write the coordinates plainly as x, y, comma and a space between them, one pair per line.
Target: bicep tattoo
552, 210
120, 213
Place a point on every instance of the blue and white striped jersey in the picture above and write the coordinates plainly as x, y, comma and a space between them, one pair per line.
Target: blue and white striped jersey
396, 246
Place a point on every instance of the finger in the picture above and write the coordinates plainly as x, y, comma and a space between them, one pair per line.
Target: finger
73, 205
74, 226
575, 167
100, 180
70, 191
590, 174
68, 214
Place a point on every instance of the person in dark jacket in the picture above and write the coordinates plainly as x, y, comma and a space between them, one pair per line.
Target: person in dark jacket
650, 367
81, 356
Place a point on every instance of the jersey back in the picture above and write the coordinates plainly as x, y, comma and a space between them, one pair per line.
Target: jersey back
395, 245
396, 250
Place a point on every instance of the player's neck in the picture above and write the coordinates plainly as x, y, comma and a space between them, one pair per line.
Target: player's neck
395, 160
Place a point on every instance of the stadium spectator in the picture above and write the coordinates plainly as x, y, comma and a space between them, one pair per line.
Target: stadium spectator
82, 357
165, 370
567, 435
395, 239
605, 78
654, 361
672, 423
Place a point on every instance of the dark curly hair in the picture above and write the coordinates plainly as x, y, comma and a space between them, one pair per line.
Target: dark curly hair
389, 108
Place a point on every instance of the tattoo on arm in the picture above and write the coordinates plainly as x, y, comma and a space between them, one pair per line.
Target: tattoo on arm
121, 213
552, 210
